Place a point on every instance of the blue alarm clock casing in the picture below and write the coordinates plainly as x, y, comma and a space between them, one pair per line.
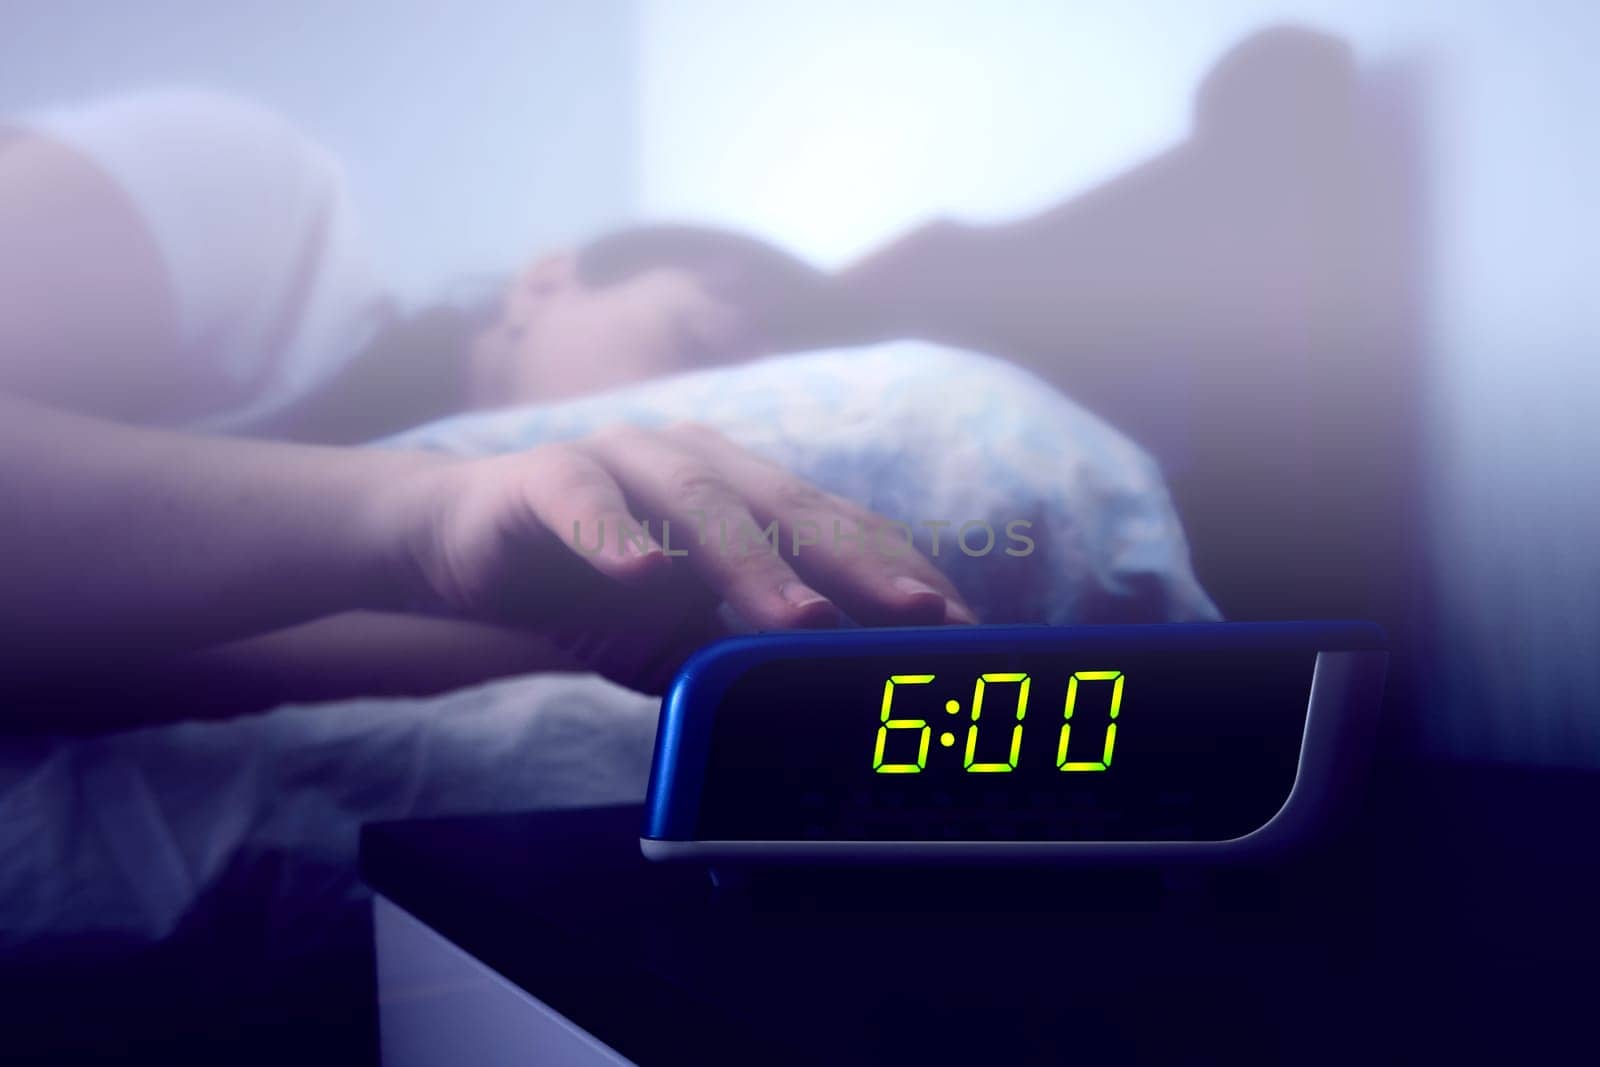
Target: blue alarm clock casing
1319, 686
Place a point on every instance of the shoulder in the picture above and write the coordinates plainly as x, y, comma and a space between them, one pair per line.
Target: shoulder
254, 228
199, 124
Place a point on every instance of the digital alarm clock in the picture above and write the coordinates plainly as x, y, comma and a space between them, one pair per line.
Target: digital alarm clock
996, 743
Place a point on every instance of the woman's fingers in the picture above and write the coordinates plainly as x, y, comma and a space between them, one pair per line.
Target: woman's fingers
576, 498
863, 561
693, 493
683, 507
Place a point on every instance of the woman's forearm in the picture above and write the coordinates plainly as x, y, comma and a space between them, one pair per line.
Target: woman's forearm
357, 654
122, 549
124, 543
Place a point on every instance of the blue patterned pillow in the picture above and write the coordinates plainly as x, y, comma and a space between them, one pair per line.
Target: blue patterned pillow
924, 435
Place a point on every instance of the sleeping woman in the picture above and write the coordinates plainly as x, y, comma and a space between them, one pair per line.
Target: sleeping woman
192, 340
179, 265
194, 359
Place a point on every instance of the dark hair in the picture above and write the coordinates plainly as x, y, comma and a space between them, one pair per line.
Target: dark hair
788, 301
413, 370
721, 255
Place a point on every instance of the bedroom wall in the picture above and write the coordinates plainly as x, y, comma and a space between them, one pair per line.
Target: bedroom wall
473, 134
832, 125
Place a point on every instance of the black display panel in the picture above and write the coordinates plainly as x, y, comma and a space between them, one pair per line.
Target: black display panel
1203, 746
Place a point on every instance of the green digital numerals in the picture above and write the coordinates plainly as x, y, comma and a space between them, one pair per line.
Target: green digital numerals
1016, 731
887, 722
1104, 762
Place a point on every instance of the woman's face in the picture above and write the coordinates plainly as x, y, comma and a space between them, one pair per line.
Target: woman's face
558, 337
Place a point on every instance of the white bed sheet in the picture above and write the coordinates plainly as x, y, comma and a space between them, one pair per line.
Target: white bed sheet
124, 834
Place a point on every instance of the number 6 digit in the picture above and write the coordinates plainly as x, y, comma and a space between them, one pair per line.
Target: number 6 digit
887, 723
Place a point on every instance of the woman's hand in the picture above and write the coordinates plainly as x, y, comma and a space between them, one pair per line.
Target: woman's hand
622, 545
132, 548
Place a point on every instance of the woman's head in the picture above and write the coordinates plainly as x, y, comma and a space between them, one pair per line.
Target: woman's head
644, 302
